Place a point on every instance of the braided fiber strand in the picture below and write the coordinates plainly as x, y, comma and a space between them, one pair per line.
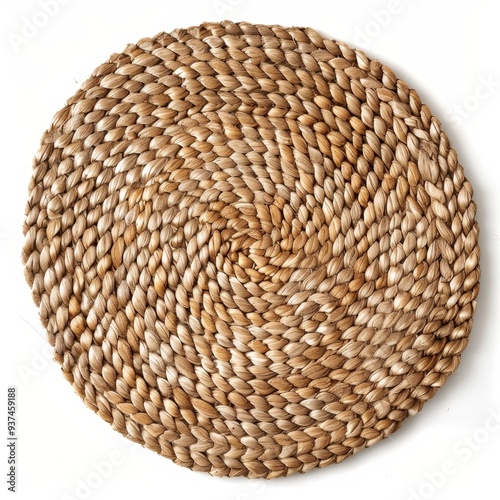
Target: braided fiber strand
253, 249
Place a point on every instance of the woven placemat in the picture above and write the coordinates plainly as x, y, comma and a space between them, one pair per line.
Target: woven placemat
253, 249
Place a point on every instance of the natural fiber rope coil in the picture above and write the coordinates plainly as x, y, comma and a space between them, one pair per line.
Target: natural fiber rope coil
253, 249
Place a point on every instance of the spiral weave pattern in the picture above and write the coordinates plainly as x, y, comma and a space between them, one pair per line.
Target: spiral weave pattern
253, 249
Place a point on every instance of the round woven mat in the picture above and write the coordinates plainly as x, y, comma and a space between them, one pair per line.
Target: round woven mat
253, 249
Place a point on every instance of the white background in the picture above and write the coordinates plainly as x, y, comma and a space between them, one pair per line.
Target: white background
444, 50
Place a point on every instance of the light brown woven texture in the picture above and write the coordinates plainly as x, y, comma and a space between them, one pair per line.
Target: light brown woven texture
253, 249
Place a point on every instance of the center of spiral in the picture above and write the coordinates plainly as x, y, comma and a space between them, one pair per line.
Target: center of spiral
246, 241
